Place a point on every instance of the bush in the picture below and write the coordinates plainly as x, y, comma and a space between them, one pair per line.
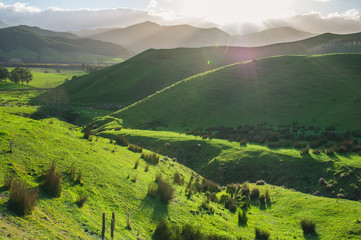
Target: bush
254, 194
135, 148
22, 199
81, 199
122, 141
262, 234
212, 197
52, 181
87, 132
230, 204
150, 157
308, 226
205, 206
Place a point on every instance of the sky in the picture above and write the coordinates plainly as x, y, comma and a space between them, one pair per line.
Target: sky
233, 16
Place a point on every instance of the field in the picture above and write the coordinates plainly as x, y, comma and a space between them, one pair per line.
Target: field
113, 184
51, 77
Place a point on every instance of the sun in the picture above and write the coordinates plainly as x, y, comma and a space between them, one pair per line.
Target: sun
226, 11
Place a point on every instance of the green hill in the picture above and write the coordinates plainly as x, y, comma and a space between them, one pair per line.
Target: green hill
317, 90
153, 70
26, 38
113, 184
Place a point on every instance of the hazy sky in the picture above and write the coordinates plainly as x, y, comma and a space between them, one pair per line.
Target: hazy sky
234, 16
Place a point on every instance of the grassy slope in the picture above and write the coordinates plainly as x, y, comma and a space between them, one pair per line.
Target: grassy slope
145, 74
37, 143
226, 162
318, 90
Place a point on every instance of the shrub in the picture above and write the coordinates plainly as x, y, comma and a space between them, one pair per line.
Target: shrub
150, 157
308, 226
135, 148
152, 190
52, 181
22, 199
210, 186
254, 194
242, 217
162, 231
120, 140
262, 234
81, 199
212, 197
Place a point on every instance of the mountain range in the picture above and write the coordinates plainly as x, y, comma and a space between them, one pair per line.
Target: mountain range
147, 35
32, 44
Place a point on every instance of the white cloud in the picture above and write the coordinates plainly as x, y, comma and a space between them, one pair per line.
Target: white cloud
152, 4
63, 20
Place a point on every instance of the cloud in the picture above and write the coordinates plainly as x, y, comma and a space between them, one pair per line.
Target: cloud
64, 20
152, 4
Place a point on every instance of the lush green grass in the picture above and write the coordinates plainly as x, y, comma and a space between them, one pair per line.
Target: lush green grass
227, 162
49, 77
316, 90
108, 180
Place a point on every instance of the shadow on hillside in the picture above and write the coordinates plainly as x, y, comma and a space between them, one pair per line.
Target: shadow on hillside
311, 236
159, 209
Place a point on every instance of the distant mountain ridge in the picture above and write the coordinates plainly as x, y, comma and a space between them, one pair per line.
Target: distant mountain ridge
32, 44
3, 25
148, 35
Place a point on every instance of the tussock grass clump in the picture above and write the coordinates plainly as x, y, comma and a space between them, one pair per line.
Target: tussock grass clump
242, 217
150, 157
308, 226
245, 189
87, 132
178, 179
136, 164
254, 195
162, 231
22, 198
122, 141
163, 190
262, 199
135, 148
205, 206
146, 168
81, 199
52, 181
8, 179
268, 197
230, 204
262, 234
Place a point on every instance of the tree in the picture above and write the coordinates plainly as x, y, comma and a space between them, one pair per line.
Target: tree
21, 75
4, 73
15, 75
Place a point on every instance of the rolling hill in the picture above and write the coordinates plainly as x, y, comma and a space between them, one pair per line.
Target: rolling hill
147, 35
312, 90
154, 70
26, 44
115, 179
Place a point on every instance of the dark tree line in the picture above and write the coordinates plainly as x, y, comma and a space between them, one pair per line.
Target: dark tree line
17, 75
